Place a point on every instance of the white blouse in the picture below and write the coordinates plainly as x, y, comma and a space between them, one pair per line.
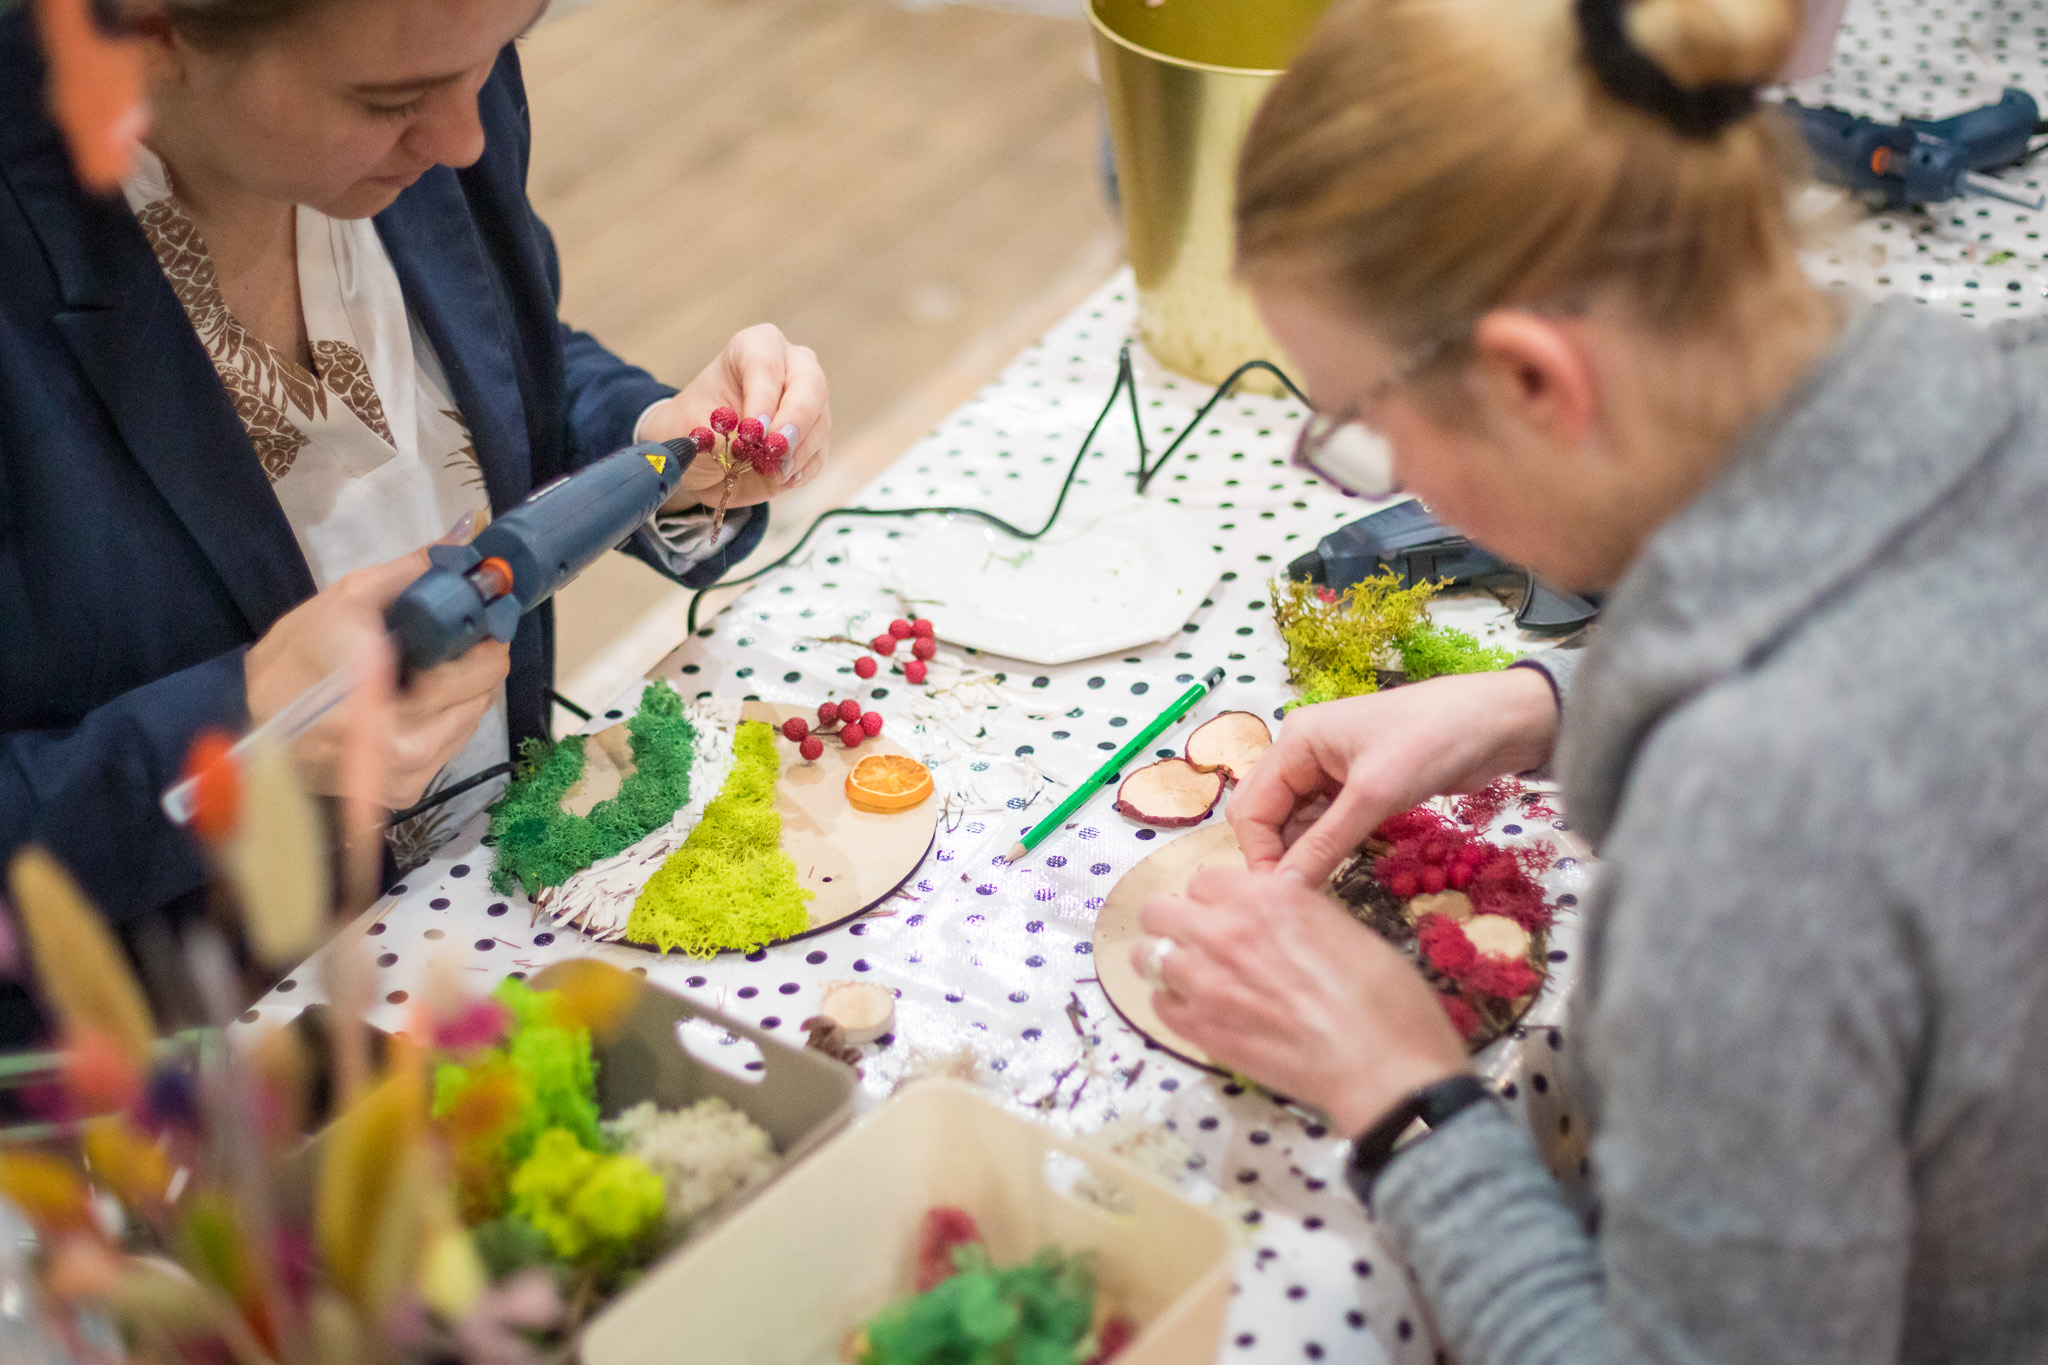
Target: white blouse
368, 454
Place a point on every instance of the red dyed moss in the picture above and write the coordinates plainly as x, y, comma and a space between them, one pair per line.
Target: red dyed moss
1464, 1018
1483, 807
1500, 977
1444, 946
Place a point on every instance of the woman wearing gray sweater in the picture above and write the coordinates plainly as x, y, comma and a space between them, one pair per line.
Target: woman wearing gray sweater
1543, 248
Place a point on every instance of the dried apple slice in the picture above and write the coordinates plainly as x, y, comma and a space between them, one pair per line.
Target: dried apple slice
1231, 743
1171, 793
1454, 906
1498, 936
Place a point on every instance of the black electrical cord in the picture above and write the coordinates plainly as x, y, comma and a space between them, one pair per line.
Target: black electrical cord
571, 707
473, 781
1126, 386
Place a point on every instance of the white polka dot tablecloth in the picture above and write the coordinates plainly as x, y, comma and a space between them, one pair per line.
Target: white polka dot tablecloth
1894, 58
992, 963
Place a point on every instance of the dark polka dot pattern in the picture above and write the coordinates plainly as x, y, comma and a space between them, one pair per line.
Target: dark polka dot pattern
998, 961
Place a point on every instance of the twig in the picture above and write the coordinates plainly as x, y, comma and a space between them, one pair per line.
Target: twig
1045, 1101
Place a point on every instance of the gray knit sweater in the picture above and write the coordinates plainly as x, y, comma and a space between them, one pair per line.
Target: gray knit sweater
1811, 1032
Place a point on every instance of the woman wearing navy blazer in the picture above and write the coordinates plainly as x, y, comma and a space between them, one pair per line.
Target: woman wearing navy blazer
236, 400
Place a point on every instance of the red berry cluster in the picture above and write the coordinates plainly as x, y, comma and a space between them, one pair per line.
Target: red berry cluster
1430, 854
922, 648
842, 718
735, 442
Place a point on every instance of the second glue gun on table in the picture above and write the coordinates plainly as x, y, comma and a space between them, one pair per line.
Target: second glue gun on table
1922, 161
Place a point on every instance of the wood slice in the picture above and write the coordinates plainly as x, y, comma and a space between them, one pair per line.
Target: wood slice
1168, 872
850, 858
607, 763
1164, 873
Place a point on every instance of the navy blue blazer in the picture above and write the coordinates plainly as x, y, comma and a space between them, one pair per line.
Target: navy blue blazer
141, 547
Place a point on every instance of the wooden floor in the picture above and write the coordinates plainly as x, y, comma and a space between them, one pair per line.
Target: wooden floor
897, 188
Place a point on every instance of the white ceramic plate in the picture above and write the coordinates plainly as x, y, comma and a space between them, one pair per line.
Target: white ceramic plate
1127, 577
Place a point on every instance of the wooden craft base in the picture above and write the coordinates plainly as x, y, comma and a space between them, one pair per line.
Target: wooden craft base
1168, 873
1165, 873
851, 860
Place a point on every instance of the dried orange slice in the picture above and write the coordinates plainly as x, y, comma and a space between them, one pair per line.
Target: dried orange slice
888, 782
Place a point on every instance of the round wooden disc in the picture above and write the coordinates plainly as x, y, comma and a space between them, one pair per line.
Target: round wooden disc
1164, 873
851, 860
1167, 873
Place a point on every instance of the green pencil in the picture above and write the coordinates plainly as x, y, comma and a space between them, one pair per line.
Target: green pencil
1082, 791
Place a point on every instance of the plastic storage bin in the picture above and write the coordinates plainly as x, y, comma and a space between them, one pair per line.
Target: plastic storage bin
787, 1278
800, 1097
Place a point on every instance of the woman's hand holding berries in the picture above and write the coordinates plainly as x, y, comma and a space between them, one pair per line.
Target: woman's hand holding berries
753, 458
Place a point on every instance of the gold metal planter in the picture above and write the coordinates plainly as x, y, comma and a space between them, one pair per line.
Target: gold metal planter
1182, 79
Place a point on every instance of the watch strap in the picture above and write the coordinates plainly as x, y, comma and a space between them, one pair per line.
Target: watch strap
1433, 1106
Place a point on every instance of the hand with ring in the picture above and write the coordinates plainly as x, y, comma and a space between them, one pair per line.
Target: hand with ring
1149, 956
1279, 984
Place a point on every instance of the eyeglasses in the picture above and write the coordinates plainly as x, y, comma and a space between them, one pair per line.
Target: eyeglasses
1342, 450
1346, 453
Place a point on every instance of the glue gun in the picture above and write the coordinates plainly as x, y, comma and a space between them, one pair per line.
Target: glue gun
1922, 161
480, 590
1414, 544
517, 562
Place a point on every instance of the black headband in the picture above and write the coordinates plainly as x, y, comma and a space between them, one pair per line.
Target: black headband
1630, 76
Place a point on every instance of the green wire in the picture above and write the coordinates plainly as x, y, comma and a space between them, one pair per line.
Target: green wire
1126, 385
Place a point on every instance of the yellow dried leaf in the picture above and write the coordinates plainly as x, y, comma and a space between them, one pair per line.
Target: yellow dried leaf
52, 1194
339, 1335
278, 860
592, 994
361, 1173
84, 973
404, 1228
452, 1276
133, 1168
163, 1296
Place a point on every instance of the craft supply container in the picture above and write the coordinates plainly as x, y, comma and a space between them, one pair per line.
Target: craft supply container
786, 1279
1181, 80
798, 1096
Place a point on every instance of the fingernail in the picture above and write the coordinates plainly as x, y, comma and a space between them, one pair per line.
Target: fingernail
787, 467
789, 433
1293, 874
763, 420
459, 532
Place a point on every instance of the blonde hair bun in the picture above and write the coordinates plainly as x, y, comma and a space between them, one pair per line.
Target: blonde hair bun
1707, 42
1423, 161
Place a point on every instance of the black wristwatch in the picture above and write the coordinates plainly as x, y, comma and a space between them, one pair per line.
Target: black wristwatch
1407, 1123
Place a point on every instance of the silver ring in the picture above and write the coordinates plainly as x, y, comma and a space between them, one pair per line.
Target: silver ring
1152, 961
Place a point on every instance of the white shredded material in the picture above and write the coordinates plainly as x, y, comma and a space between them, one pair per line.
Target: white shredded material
1147, 1145
704, 1154
950, 734
599, 899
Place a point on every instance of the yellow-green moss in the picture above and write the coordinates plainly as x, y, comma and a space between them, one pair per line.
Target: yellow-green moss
1432, 651
1337, 645
730, 886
